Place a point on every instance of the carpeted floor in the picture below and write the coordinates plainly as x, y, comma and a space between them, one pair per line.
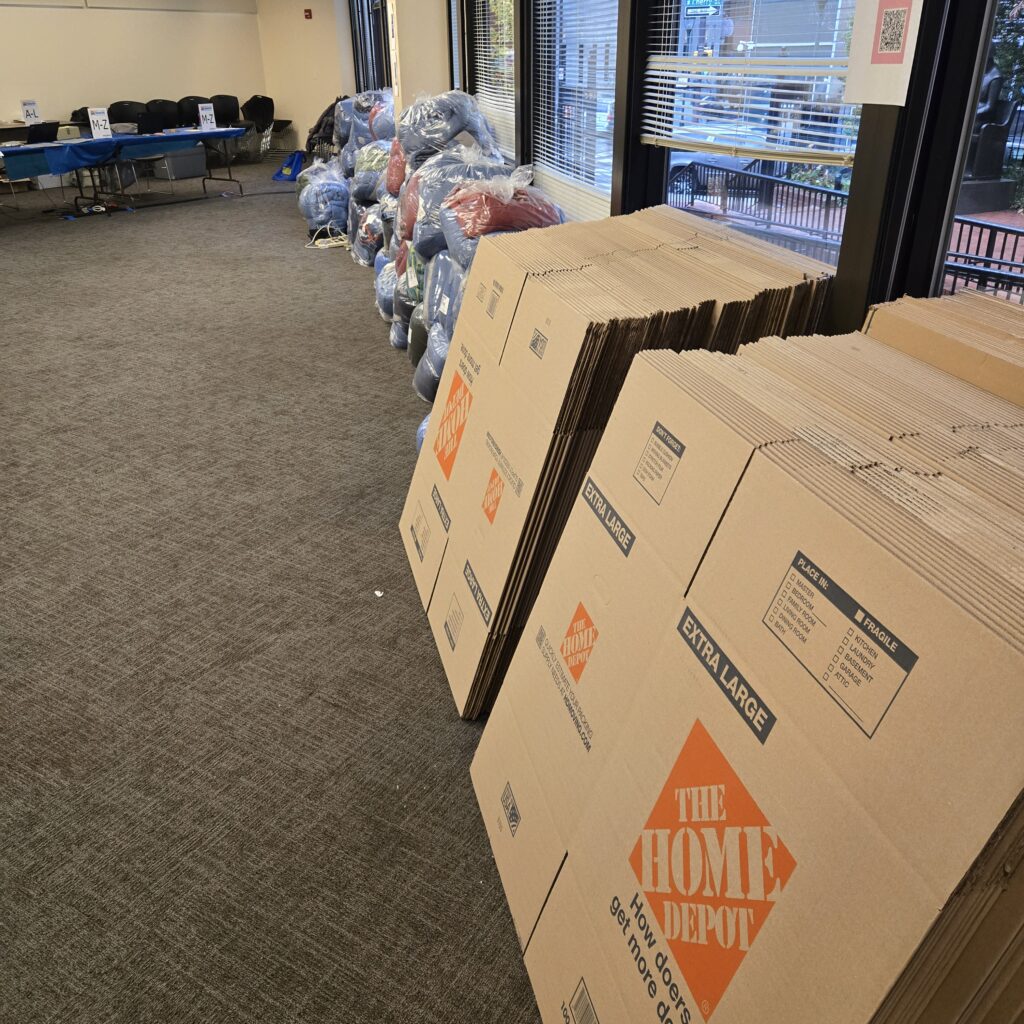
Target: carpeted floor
233, 786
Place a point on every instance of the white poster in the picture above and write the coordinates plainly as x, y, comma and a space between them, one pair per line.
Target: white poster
99, 123
206, 116
30, 112
882, 51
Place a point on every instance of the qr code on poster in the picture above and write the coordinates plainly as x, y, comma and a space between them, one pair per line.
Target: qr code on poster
893, 30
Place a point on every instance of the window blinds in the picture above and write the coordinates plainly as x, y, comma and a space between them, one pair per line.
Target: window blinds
758, 78
455, 39
493, 62
574, 44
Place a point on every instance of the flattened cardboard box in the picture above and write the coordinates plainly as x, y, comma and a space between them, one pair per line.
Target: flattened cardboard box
426, 520
788, 774
649, 506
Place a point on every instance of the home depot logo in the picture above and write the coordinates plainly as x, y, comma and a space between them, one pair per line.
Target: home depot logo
579, 641
711, 866
452, 425
492, 496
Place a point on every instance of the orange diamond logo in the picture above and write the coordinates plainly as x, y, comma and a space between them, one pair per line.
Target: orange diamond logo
579, 641
452, 425
711, 867
492, 496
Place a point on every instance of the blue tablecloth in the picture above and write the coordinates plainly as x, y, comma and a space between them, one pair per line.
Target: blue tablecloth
61, 157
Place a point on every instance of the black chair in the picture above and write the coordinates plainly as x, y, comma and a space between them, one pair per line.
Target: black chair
259, 110
225, 110
188, 110
166, 110
125, 112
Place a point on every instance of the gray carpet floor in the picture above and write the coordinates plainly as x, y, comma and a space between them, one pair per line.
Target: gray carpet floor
233, 785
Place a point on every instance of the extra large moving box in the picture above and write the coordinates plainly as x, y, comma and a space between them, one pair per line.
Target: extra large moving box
802, 783
871, 623
973, 336
551, 322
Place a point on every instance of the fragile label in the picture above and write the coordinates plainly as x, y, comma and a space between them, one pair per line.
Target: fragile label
453, 622
860, 662
511, 808
658, 462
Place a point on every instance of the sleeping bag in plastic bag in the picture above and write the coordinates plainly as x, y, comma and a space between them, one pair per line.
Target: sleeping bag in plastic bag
360, 134
399, 336
380, 261
417, 336
342, 121
436, 179
370, 167
415, 275
384, 288
389, 208
395, 176
317, 171
494, 206
369, 237
421, 431
438, 287
432, 122
382, 117
431, 365
403, 305
324, 202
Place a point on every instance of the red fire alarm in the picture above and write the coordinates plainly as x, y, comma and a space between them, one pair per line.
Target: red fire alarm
307, 13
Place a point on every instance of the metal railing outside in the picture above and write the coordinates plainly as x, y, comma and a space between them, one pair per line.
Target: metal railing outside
802, 217
987, 256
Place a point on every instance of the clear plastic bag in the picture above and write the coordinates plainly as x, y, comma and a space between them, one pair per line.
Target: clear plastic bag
382, 117
369, 237
360, 133
395, 176
342, 121
421, 431
432, 122
384, 289
417, 336
499, 205
325, 201
370, 168
355, 215
319, 170
428, 371
404, 305
444, 277
380, 261
399, 335
415, 275
433, 182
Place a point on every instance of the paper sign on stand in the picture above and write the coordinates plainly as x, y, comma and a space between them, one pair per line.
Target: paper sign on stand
207, 119
882, 51
30, 112
99, 123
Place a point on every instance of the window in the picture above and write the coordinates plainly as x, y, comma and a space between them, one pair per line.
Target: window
986, 248
455, 41
369, 44
574, 45
747, 95
491, 55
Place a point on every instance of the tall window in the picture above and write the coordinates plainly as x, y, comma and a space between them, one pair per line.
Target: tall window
369, 44
748, 96
986, 249
491, 53
574, 45
455, 41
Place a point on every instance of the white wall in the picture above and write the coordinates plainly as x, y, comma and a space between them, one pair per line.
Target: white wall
73, 57
307, 63
419, 44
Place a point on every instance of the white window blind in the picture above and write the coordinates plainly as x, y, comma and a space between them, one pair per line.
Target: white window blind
758, 78
455, 36
493, 63
574, 43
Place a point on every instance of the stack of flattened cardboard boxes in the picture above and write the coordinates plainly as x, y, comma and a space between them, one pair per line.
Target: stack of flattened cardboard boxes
766, 764
551, 322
